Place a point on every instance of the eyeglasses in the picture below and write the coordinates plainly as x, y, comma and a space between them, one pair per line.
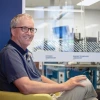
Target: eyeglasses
26, 29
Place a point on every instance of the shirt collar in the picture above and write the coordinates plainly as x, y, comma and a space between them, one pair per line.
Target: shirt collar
17, 47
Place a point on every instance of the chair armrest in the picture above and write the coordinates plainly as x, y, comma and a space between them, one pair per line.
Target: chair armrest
18, 96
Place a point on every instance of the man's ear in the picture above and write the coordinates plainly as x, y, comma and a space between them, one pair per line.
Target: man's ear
13, 32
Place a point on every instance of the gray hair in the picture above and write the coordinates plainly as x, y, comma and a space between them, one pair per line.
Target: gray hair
17, 19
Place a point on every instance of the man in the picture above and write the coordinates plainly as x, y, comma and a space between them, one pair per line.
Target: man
17, 74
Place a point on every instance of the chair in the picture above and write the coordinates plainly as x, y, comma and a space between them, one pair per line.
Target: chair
18, 96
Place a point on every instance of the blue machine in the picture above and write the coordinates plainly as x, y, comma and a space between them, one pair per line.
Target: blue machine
62, 73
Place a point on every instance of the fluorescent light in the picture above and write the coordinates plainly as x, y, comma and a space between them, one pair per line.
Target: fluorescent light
45, 9
42, 25
91, 26
87, 2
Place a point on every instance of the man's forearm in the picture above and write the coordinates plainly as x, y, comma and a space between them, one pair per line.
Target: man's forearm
47, 80
39, 87
27, 86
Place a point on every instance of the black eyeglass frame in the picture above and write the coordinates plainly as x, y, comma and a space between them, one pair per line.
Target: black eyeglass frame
32, 30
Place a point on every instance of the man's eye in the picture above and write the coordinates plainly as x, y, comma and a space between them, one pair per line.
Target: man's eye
25, 28
32, 29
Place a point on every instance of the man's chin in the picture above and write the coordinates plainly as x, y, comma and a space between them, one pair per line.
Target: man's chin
27, 44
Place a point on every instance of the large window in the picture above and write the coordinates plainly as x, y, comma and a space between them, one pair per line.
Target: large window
66, 27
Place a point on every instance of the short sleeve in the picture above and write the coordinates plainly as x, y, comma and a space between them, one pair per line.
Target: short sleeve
13, 66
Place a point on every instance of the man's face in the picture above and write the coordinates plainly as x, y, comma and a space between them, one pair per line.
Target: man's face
22, 38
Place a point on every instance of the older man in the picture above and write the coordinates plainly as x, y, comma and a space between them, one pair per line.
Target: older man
18, 74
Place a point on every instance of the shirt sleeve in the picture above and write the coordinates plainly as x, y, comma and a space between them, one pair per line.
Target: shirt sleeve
13, 66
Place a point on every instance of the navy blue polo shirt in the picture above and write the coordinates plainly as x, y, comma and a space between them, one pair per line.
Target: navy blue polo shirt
14, 65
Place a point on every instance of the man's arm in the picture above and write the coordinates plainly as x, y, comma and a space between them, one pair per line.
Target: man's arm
47, 80
27, 86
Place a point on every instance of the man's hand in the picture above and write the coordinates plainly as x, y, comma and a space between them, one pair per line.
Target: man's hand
73, 82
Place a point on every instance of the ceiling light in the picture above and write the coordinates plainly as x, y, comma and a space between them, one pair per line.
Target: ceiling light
91, 26
42, 25
87, 2
45, 9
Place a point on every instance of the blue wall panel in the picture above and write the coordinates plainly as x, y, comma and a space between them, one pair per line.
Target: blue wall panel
8, 9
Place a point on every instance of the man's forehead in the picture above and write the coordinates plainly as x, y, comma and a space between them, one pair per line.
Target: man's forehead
26, 20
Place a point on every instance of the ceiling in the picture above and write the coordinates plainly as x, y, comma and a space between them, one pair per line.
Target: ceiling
46, 3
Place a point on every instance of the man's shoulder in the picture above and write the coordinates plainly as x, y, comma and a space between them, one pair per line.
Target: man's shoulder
8, 48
